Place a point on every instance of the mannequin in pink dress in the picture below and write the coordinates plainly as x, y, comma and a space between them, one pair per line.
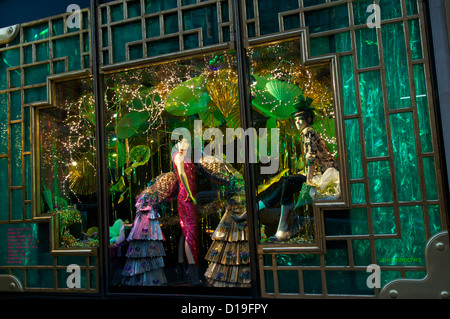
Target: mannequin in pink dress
186, 206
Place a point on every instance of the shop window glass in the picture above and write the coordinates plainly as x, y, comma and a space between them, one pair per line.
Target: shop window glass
170, 211
303, 155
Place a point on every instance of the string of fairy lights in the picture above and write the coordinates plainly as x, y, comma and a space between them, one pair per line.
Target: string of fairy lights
128, 92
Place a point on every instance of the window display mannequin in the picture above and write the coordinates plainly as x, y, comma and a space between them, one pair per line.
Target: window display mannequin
317, 159
186, 206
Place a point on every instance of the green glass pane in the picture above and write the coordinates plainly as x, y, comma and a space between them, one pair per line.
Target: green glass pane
105, 56
36, 32
190, 41
36, 74
336, 253
85, 20
327, 19
16, 154
205, 18
152, 27
4, 190
4, 126
383, 220
105, 37
171, 23
291, 22
367, 47
390, 9
434, 218
134, 9
42, 51
336, 43
123, 34
136, 51
267, 260
405, 157
15, 78
153, 6
297, 260
251, 29
59, 67
347, 282
352, 137
17, 204
380, 186
86, 42
28, 54
348, 85
429, 172
58, 27
410, 249
250, 9
15, 102
69, 47
312, 281
361, 252
268, 13
40, 278
86, 61
396, 66
288, 281
423, 112
373, 114
28, 211
411, 7
415, 40
358, 193
35, 94
225, 12
360, 14
347, 222
116, 12
163, 46
8, 59
268, 281
104, 16
93, 279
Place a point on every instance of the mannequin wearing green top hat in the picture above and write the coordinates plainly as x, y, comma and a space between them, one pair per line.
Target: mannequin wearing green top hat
318, 159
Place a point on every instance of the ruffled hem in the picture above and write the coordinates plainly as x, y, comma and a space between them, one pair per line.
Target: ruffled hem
138, 266
149, 278
228, 276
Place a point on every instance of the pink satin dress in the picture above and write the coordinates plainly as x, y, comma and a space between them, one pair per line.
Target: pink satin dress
187, 210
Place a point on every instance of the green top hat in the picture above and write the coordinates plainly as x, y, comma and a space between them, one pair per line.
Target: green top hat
303, 106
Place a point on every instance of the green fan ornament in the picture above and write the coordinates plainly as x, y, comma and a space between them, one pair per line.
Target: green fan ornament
275, 98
